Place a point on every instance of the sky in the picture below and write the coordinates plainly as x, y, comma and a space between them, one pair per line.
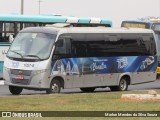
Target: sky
116, 10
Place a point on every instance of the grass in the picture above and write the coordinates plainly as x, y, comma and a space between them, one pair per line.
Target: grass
99, 101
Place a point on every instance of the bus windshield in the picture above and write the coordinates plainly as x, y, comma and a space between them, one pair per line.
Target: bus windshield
156, 27
32, 46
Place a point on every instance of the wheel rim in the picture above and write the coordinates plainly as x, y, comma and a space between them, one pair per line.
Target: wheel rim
55, 88
123, 84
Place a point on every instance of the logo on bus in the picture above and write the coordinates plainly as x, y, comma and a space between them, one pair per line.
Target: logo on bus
122, 62
15, 64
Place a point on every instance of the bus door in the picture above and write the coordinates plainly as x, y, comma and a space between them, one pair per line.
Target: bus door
61, 61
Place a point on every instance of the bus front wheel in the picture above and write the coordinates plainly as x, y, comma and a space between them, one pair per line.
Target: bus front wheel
15, 90
55, 87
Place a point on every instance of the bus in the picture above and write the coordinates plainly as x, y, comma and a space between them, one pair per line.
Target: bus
11, 24
51, 58
149, 23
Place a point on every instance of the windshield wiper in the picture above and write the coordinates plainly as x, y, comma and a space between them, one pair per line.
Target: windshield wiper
32, 56
16, 53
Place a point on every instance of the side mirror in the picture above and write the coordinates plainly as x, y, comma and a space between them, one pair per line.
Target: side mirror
11, 38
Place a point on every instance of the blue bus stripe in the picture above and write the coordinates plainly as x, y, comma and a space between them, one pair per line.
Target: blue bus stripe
84, 20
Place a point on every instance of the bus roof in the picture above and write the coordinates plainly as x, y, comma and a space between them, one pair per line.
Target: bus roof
54, 19
86, 30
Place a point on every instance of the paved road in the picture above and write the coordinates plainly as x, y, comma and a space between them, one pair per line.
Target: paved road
146, 86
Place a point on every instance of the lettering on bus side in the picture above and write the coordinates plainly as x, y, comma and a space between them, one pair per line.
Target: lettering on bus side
99, 66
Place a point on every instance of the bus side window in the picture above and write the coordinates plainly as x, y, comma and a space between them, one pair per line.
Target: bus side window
62, 48
7, 29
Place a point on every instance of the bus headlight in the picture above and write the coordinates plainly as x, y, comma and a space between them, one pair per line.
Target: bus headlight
36, 72
6, 69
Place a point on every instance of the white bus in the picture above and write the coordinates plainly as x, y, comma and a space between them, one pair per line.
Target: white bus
50, 58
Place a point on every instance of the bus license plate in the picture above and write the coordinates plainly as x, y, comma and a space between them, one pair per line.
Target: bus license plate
20, 77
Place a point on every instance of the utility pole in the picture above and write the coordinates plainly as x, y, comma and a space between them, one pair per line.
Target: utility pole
22, 5
159, 9
39, 1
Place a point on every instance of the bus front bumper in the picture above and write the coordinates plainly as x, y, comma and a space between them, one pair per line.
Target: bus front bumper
30, 87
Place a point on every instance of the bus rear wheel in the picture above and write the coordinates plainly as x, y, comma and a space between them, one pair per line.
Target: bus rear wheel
15, 90
55, 87
123, 85
87, 89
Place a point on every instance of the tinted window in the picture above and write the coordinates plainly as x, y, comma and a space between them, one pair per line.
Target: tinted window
62, 47
103, 45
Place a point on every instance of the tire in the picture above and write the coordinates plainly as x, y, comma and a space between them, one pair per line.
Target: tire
55, 87
123, 85
87, 89
15, 90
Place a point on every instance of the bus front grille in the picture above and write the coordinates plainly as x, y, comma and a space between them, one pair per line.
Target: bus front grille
21, 82
22, 72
